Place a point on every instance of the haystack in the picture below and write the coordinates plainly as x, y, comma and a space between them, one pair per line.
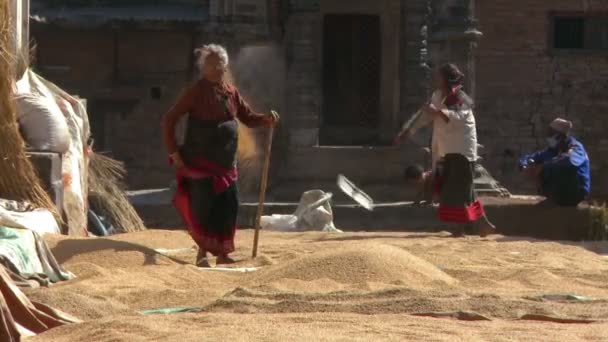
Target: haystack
18, 178
107, 196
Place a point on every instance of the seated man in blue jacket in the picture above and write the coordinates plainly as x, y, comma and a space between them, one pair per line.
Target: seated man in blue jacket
562, 170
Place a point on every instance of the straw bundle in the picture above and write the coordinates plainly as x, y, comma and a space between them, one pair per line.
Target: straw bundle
18, 178
106, 194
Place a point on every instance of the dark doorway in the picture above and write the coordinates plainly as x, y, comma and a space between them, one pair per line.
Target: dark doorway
351, 80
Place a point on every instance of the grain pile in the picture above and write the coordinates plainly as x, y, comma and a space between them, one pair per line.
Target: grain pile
316, 286
361, 263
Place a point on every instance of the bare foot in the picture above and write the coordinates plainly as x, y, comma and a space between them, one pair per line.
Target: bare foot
203, 263
201, 259
224, 260
486, 227
458, 232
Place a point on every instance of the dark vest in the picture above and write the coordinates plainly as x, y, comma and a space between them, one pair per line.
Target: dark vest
213, 140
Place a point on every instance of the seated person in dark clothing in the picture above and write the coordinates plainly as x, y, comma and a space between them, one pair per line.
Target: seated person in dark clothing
423, 181
563, 169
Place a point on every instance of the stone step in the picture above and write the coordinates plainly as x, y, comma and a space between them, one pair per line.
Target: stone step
394, 190
513, 216
361, 164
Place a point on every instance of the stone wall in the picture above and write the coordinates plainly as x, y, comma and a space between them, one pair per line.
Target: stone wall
77, 62
303, 78
117, 72
522, 84
122, 70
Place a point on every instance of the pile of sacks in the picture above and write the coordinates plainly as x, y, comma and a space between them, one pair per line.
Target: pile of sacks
52, 120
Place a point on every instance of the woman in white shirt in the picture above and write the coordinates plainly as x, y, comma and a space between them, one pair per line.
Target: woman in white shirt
454, 150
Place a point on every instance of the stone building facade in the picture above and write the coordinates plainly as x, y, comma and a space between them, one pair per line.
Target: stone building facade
344, 74
354, 73
370, 50
131, 61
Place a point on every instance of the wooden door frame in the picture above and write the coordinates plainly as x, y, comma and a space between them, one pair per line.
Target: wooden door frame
390, 32
364, 135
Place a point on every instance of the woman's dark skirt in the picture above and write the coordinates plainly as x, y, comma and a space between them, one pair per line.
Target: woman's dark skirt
207, 191
215, 215
458, 202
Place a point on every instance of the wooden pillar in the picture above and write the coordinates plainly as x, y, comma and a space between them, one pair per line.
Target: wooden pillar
453, 36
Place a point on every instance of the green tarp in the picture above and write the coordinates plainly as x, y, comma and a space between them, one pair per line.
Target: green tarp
25, 254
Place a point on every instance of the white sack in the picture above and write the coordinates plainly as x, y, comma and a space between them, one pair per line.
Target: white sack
313, 213
40, 221
43, 125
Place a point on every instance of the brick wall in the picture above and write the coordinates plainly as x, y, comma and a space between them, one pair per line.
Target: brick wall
73, 59
522, 85
146, 59
116, 72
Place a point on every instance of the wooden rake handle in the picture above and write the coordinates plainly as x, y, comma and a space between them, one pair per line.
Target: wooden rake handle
263, 184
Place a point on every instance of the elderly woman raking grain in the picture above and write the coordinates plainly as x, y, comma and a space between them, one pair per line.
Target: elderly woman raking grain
206, 164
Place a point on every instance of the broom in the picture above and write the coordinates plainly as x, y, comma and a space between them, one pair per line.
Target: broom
18, 178
107, 196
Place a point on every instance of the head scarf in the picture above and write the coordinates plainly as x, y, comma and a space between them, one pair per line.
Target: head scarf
454, 78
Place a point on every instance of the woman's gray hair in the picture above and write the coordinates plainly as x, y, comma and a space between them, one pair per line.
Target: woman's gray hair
211, 49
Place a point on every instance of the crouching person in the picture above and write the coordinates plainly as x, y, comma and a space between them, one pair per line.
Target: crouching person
562, 170
423, 183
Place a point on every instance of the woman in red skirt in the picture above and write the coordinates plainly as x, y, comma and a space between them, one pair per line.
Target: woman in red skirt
454, 149
207, 194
